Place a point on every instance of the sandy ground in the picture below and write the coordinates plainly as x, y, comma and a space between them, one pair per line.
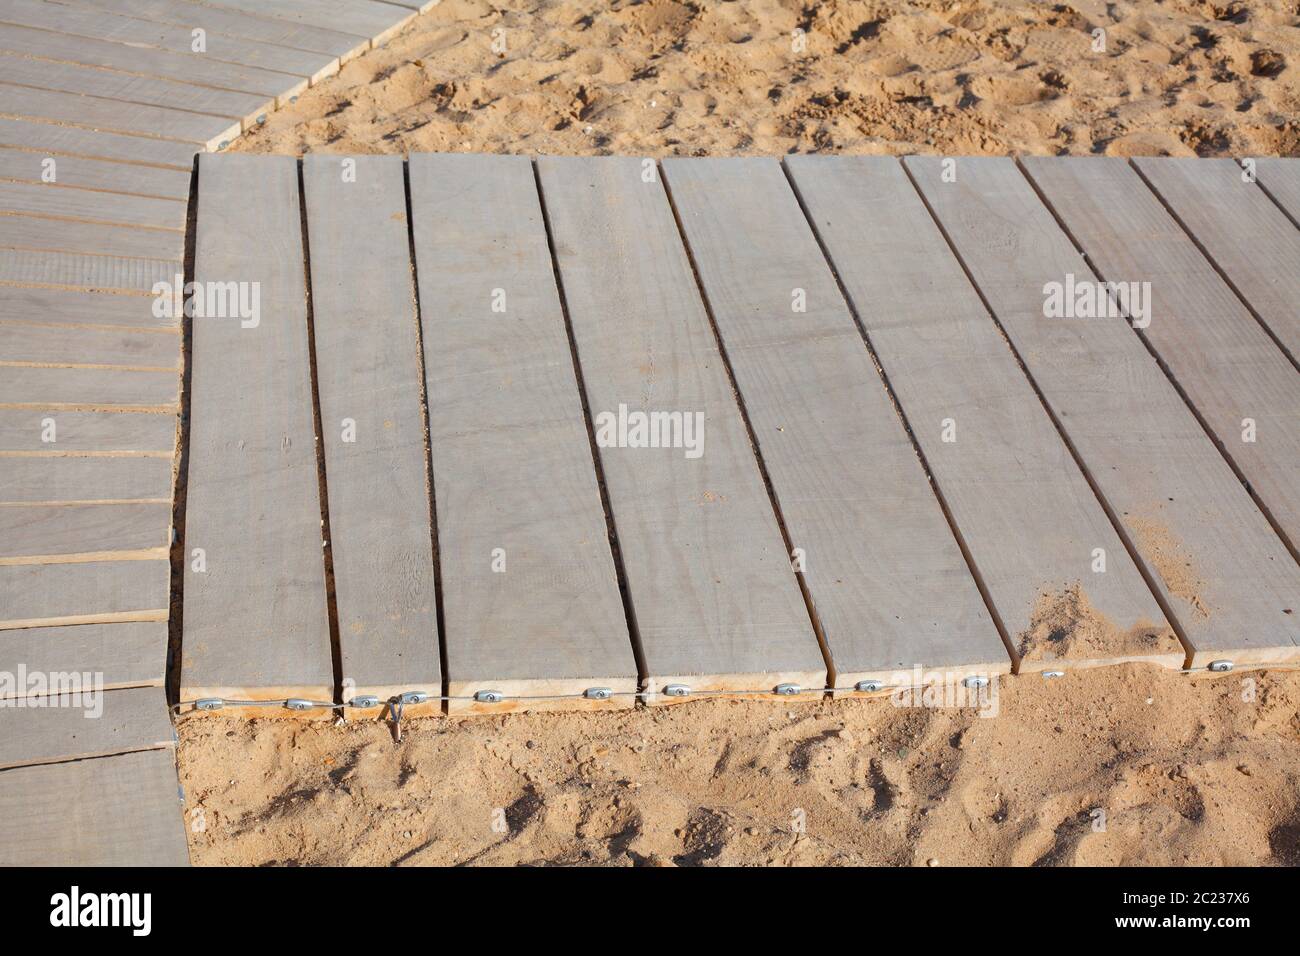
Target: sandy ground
661, 77
1122, 765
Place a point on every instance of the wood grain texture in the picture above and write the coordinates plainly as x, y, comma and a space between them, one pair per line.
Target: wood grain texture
113, 811
87, 723
148, 61
186, 13
89, 112
715, 600
1238, 228
113, 85
512, 468
77, 172
257, 616
57, 345
25, 429
68, 478
888, 580
124, 655
104, 25
1280, 178
1023, 508
46, 138
77, 307
79, 271
97, 387
364, 18
367, 372
39, 234
57, 533
47, 595
1223, 575
1229, 368
87, 206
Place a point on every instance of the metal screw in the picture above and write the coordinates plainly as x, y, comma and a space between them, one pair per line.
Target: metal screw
677, 690
297, 703
975, 681
598, 693
364, 700
414, 697
209, 703
1050, 674
869, 686
1220, 667
787, 690
489, 697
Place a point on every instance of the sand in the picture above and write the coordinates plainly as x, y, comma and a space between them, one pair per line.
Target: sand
1118, 765
663, 77
1128, 765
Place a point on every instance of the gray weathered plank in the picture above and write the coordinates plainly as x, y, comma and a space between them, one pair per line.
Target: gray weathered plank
75, 270
90, 206
88, 346
36, 234
88, 722
300, 36
1280, 178
365, 18
45, 595
114, 116
92, 387
886, 576
1223, 576
1229, 368
1235, 224
77, 172
26, 430
367, 372
112, 811
127, 87
255, 620
123, 655
714, 597
103, 25
53, 534
77, 307
149, 61
1026, 514
87, 478
46, 138
512, 470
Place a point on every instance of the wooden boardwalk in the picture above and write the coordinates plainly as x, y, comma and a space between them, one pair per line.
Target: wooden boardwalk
103, 106
735, 426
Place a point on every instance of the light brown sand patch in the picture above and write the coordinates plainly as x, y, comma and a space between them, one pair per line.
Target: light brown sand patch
1065, 626
1171, 561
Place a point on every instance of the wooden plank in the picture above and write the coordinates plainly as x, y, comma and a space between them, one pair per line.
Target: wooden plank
255, 620
25, 430
365, 18
84, 724
77, 172
1026, 515
97, 478
1238, 228
90, 112
114, 811
367, 371
123, 655
93, 346
62, 533
81, 271
87, 206
47, 138
82, 238
1223, 577
301, 36
48, 595
127, 87
1280, 178
887, 578
31, 386
148, 61
103, 25
75, 307
715, 600
512, 468
1229, 368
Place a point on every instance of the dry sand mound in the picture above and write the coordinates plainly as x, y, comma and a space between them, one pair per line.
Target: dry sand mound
772, 76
